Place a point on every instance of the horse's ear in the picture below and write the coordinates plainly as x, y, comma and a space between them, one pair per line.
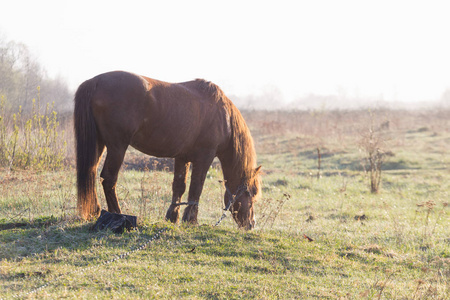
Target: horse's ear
257, 170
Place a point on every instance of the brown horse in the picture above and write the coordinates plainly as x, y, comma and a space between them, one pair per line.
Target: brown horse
192, 122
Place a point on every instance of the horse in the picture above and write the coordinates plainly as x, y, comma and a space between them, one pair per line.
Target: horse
192, 122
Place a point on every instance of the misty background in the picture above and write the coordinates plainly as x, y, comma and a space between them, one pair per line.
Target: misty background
264, 54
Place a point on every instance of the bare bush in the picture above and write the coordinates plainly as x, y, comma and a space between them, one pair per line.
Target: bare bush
374, 143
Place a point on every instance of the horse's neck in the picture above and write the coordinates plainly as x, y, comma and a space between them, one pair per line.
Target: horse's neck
233, 171
231, 177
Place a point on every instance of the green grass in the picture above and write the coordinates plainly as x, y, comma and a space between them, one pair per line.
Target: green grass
390, 245
218, 263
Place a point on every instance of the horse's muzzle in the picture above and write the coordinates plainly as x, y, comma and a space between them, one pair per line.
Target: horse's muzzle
250, 225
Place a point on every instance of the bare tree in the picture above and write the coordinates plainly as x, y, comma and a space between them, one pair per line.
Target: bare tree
21, 75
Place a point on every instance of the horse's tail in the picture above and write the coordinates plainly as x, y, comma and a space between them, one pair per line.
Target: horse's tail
87, 151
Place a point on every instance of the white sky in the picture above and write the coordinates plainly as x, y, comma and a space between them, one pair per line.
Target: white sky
395, 50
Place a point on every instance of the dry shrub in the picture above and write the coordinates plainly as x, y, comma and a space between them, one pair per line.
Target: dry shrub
374, 142
271, 209
31, 142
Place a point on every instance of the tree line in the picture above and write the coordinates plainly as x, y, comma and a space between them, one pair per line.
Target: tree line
23, 78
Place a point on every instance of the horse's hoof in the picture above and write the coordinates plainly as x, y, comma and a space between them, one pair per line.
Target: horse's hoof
172, 214
191, 222
190, 215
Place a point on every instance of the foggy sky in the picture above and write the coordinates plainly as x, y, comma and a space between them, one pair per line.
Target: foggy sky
380, 51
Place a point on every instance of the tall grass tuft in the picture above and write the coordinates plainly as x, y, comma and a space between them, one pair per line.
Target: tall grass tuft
33, 141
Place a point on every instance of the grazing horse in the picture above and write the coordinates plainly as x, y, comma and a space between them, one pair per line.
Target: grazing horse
193, 122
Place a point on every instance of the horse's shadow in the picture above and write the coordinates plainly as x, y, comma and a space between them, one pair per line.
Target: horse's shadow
60, 240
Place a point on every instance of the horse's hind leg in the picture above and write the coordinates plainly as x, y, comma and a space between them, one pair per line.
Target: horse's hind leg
181, 169
113, 162
100, 150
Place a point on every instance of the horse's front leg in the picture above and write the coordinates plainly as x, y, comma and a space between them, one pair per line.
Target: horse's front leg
200, 168
181, 169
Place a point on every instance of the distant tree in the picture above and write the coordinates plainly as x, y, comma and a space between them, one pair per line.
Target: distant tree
21, 74
56, 91
445, 98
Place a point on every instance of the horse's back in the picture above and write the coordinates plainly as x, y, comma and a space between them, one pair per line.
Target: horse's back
181, 119
156, 117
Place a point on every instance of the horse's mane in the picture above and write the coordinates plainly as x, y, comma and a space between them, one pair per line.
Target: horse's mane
211, 89
244, 155
243, 148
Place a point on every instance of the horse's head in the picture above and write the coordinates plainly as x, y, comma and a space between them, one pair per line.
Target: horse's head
245, 197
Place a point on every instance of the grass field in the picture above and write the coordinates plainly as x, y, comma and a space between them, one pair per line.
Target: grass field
320, 234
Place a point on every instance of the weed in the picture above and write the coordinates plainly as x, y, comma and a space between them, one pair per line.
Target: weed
151, 202
373, 142
428, 230
33, 142
272, 209
382, 284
